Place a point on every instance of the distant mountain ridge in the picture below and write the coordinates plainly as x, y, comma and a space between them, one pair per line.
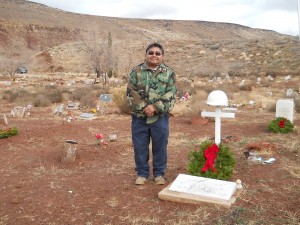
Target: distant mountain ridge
195, 43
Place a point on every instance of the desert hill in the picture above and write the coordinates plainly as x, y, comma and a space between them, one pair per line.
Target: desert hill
55, 40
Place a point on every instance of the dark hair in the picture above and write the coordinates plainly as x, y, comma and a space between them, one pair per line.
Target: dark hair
156, 45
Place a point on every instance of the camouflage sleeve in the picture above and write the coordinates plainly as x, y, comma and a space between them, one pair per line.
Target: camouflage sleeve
135, 100
167, 101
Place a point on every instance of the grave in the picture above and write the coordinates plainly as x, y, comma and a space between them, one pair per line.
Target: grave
18, 111
69, 151
193, 189
218, 99
59, 109
285, 108
105, 98
72, 105
4, 118
87, 116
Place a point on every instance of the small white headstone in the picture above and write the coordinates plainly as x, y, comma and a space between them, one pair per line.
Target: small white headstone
289, 92
285, 108
5, 119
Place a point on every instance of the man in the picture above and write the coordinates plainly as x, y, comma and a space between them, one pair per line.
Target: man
151, 95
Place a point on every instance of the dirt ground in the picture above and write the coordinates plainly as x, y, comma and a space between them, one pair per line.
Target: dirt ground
98, 188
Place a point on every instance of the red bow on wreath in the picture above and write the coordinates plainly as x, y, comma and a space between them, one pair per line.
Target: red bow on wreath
210, 154
282, 123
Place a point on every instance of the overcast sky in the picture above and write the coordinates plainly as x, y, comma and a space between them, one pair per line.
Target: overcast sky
277, 15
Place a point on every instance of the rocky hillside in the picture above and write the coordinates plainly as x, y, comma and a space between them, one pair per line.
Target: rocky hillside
55, 40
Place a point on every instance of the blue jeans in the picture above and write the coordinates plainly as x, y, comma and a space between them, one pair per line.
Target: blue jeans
158, 132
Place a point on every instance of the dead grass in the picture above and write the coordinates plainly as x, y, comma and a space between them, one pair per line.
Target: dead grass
120, 99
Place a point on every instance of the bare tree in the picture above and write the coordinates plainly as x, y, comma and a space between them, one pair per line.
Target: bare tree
16, 56
101, 55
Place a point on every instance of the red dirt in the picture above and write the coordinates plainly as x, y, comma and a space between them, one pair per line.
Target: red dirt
98, 188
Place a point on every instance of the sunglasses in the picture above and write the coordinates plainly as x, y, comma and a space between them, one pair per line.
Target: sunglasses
152, 53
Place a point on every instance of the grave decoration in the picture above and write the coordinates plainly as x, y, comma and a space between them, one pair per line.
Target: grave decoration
99, 138
8, 132
281, 125
211, 161
218, 99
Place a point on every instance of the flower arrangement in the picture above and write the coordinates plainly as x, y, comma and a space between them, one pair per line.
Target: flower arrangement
8, 132
99, 138
280, 125
211, 161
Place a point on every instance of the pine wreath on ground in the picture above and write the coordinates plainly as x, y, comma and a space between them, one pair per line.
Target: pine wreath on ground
8, 132
224, 162
281, 125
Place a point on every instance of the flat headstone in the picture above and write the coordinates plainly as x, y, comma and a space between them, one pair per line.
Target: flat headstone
285, 108
72, 105
105, 98
194, 189
87, 116
203, 186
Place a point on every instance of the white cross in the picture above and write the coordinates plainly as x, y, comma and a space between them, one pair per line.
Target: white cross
218, 114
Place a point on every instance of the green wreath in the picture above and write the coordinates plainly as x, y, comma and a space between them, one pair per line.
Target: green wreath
8, 132
224, 162
281, 125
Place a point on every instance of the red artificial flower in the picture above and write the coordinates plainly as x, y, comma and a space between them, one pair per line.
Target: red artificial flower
99, 136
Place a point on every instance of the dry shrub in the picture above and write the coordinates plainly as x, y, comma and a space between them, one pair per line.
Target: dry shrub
12, 95
229, 89
297, 104
246, 87
9, 95
265, 83
180, 108
246, 97
41, 101
196, 103
88, 100
87, 95
271, 106
119, 98
183, 86
78, 93
53, 93
207, 88
26, 100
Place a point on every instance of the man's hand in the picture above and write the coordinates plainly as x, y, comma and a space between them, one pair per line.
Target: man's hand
149, 110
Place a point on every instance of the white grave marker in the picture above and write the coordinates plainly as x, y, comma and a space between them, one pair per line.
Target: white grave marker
218, 114
218, 98
203, 186
285, 108
193, 189
5, 119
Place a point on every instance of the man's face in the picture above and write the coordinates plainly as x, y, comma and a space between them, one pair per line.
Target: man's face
154, 57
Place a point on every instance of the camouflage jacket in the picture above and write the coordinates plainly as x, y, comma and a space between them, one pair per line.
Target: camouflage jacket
146, 87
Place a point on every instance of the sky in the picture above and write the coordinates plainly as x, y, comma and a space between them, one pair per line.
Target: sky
277, 15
